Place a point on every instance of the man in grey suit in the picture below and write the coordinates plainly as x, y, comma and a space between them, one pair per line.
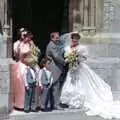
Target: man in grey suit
56, 52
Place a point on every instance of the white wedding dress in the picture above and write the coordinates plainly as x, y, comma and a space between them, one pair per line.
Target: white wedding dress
84, 89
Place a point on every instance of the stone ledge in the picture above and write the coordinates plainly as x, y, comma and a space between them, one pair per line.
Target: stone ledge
100, 38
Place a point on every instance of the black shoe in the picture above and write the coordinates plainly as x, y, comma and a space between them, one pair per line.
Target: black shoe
49, 109
63, 105
18, 109
33, 110
44, 110
38, 108
26, 111
58, 108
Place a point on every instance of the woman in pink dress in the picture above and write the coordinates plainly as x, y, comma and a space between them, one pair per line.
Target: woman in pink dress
25, 52
18, 82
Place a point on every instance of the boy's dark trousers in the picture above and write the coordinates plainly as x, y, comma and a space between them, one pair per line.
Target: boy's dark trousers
30, 103
46, 98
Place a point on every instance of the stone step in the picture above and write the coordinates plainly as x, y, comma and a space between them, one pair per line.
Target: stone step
54, 115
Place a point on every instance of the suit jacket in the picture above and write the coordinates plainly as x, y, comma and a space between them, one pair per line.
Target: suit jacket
29, 76
55, 51
44, 78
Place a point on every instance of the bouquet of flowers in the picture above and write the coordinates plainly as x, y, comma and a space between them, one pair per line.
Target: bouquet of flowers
73, 59
33, 55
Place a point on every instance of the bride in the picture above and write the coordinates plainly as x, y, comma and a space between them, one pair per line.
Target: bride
83, 88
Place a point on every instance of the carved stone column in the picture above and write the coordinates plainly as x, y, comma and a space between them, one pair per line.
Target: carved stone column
4, 60
86, 15
99, 14
77, 22
71, 2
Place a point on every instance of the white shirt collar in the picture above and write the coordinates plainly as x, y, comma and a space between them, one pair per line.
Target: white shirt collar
46, 70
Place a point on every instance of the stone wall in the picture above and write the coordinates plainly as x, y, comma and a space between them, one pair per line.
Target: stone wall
4, 86
102, 44
111, 21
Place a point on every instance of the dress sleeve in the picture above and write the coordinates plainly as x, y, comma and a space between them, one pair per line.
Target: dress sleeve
67, 51
16, 47
83, 53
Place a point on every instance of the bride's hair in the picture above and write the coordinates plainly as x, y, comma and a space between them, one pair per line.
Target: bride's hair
75, 36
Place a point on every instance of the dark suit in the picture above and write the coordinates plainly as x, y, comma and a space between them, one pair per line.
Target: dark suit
55, 51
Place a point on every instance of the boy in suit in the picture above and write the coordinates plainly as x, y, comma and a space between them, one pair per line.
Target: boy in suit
30, 86
46, 98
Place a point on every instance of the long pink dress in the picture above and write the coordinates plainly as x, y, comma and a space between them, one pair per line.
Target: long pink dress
18, 85
18, 80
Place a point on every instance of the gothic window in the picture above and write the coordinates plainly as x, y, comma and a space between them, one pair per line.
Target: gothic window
87, 14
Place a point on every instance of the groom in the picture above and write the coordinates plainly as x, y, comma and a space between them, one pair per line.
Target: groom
56, 52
